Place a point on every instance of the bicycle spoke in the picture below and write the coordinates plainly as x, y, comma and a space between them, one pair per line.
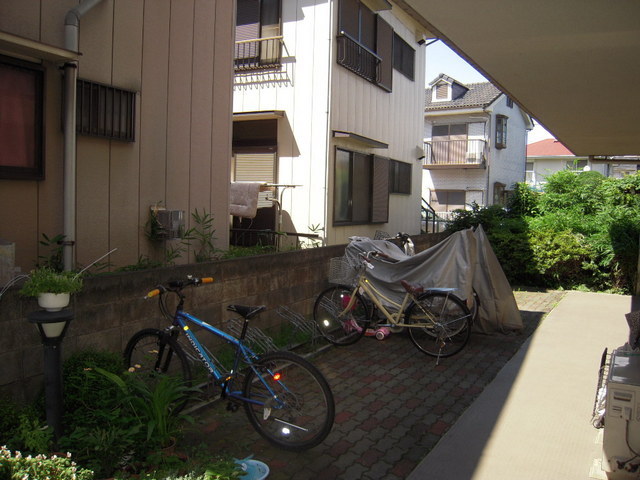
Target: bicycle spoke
290, 403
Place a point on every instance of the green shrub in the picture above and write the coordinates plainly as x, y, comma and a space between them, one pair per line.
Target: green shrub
86, 393
524, 201
582, 231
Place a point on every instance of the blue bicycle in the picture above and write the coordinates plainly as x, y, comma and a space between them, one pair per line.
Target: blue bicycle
286, 398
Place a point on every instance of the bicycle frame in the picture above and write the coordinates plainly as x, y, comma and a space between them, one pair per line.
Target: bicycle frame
363, 285
225, 380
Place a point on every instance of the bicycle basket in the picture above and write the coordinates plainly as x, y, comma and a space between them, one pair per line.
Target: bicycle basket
340, 271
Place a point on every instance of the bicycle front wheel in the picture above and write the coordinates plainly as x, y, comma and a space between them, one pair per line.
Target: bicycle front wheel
152, 354
337, 324
288, 401
440, 324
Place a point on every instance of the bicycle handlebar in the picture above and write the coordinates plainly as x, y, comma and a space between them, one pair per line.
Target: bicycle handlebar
177, 285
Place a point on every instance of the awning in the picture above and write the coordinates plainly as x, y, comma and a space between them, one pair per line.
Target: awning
366, 141
572, 64
31, 50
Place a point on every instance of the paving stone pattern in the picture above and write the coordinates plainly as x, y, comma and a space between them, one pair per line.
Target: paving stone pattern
393, 404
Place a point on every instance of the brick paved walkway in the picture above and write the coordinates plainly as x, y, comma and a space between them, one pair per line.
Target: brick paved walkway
393, 404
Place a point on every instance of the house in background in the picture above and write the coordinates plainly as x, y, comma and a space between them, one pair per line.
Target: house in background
549, 156
147, 121
474, 145
328, 117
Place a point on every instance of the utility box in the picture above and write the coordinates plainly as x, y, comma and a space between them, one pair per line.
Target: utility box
169, 224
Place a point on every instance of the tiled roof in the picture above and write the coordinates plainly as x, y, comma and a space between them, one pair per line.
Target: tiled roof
478, 95
549, 147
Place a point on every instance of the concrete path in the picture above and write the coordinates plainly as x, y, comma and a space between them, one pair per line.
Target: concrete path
532, 422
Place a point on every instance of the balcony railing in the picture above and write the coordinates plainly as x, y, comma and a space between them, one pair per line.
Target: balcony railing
469, 153
258, 53
358, 58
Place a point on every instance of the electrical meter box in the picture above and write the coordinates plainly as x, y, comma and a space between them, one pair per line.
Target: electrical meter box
621, 441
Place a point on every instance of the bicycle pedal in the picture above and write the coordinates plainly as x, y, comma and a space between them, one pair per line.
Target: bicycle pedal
232, 407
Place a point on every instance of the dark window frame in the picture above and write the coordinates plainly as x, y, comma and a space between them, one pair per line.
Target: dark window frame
33, 168
501, 131
366, 197
258, 35
400, 174
365, 43
105, 111
404, 57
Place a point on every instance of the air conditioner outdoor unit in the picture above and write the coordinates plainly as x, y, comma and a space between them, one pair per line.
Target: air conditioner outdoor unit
621, 440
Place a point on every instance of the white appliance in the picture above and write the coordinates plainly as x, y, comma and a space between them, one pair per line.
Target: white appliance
621, 441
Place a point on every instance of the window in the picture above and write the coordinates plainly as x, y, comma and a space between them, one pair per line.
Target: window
258, 34
365, 43
21, 120
361, 188
441, 92
403, 57
576, 165
104, 111
447, 200
501, 131
529, 174
399, 177
499, 194
509, 102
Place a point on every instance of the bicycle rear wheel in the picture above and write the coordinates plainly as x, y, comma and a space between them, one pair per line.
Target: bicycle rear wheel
337, 325
151, 353
289, 402
440, 324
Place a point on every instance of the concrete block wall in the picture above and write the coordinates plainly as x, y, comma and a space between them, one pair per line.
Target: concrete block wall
111, 308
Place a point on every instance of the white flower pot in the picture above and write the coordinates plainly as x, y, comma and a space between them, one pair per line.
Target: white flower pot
53, 302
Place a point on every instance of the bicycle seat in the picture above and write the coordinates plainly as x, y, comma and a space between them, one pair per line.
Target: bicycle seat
246, 312
412, 288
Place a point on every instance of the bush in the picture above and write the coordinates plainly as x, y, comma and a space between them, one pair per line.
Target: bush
582, 231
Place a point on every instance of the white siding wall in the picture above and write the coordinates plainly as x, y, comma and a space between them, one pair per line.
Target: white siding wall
301, 91
320, 96
507, 165
394, 118
543, 167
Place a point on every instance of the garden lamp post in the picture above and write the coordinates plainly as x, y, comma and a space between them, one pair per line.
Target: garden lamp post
52, 327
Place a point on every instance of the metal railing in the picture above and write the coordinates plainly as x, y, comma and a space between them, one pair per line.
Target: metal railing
258, 53
358, 58
455, 152
432, 221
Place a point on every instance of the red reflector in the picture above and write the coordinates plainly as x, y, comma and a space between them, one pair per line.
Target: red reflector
277, 377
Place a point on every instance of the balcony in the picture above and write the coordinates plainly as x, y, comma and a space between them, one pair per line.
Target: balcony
440, 154
358, 58
258, 54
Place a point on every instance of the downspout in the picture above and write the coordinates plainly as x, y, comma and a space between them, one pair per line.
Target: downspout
71, 34
328, 204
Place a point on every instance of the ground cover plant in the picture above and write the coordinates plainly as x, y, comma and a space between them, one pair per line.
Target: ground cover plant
116, 425
580, 233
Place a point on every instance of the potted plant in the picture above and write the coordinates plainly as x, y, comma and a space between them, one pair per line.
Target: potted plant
51, 288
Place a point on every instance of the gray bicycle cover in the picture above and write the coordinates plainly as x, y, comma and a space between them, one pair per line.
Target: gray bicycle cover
464, 261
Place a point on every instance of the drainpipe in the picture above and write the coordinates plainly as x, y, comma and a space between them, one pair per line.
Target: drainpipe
71, 31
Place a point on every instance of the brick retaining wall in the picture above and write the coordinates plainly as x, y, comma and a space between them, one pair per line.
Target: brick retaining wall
111, 308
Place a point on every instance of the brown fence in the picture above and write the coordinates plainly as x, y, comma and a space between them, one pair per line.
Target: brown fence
111, 308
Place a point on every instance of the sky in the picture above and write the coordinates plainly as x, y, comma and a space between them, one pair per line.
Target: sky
441, 59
